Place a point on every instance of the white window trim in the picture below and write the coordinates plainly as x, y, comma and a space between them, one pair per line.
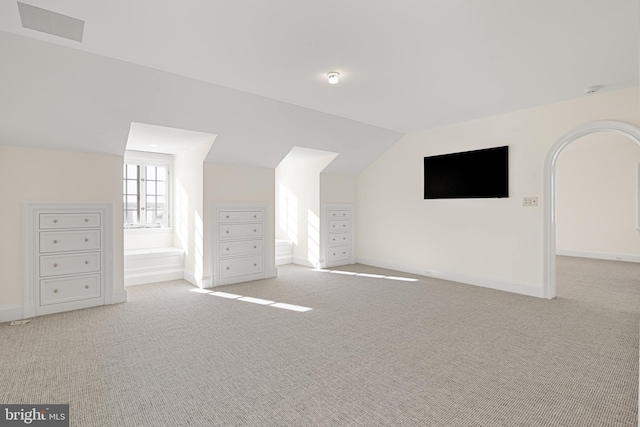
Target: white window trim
153, 159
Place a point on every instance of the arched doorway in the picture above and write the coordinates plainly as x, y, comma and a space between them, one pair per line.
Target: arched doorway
549, 243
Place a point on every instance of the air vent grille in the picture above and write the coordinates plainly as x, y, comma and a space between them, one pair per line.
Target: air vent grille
35, 18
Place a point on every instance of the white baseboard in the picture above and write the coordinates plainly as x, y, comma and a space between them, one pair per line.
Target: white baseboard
281, 260
272, 272
9, 313
151, 277
599, 255
192, 279
205, 282
303, 261
119, 296
485, 282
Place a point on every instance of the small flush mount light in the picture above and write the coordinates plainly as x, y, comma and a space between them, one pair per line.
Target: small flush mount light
591, 89
333, 77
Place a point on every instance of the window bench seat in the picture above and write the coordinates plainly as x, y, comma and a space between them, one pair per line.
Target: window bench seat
284, 251
153, 265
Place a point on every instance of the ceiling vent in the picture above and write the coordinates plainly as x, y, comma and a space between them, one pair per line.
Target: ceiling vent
35, 18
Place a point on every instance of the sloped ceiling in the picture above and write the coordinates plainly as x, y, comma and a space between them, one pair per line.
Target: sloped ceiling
62, 98
254, 72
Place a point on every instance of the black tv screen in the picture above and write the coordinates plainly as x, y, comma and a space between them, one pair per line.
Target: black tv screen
467, 175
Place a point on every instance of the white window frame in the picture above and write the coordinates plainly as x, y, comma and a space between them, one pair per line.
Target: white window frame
143, 159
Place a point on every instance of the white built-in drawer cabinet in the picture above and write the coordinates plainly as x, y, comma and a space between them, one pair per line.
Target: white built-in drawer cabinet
67, 257
338, 234
240, 251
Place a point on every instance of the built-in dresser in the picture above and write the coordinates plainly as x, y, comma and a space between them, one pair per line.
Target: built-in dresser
338, 233
66, 257
241, 243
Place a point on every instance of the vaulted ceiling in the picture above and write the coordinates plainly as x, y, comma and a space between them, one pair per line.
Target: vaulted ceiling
254, 72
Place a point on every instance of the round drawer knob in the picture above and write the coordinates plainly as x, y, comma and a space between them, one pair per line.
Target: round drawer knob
227, 248
227, 268
55, 241
86, 220
86, 240
55, 264
227, 216
227, 231
255, 216
55, 221
255, 231
86, 286
255, 265
334, 253
55, 291
86, 262
255, 247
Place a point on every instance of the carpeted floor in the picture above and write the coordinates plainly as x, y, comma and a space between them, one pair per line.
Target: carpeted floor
371, 352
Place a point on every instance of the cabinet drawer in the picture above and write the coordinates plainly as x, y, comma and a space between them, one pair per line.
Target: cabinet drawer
53, 291
338, 239
339, 214
69, 220
61, 241
235, 231
240, 267
230, 216
338, 226
54, 265
339, 254
245, 247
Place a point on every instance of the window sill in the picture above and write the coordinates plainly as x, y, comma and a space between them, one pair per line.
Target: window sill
150, 230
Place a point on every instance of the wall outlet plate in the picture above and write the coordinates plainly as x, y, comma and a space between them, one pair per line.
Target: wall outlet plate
530, 201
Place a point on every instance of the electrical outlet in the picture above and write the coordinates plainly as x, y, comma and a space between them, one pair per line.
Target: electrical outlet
529, 201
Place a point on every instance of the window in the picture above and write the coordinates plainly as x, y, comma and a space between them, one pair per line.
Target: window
146, 191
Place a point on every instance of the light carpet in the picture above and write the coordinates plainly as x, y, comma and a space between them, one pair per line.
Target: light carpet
371, 352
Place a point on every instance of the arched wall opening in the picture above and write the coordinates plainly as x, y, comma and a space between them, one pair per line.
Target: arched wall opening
549, 244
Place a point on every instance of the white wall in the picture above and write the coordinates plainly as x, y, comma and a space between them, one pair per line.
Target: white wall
188, 208
338, 188
488, 242
39, 175
596, 198
236, 184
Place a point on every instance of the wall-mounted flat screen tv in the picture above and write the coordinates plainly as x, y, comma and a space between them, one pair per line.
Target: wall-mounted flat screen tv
467, 175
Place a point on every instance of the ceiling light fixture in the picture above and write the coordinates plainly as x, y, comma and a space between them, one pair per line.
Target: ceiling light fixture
333, 77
